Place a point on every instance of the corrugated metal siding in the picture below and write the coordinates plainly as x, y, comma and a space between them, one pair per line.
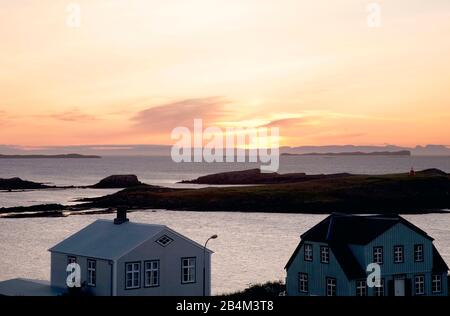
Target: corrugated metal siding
400, 235
317, 274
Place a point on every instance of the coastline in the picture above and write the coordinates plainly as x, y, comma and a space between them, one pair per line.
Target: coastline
422, 193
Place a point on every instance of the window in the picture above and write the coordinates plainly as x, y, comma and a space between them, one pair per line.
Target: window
71, 259
418, 253
379, 291
361, 288
303, 282
92, 273
331, 286
419, 284
436, 283
398, 254
151, 273
378, 255
188, 270
308, 252
133, 275
324, 254
164, 240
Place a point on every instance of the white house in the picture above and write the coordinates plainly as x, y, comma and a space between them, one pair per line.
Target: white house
124, 258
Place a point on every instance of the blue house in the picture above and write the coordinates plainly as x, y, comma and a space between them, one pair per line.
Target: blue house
332, 258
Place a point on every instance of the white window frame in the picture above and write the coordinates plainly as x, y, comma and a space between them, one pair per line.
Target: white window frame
151, 273
361, 288
133, 273
436, 283
188, 270
92, 272
308, 252
418, 253
419, 284
164, 240
399, 253
379, 290
303, 282
331, 286
71, 259
378, 255
324, 254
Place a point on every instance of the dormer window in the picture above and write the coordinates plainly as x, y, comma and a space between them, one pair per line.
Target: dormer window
164, 240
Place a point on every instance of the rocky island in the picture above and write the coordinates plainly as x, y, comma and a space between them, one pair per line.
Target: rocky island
424, 192
19, 184
62, 156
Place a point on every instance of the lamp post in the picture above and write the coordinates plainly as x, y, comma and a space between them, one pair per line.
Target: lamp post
204, 263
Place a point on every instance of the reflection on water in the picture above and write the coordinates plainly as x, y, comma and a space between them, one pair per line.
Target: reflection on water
251, 248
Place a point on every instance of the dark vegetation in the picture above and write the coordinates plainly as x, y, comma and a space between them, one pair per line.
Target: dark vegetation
266, 290
426, 191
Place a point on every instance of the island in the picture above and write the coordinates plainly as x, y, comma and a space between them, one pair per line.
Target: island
61, 156
426, 191
355, 153
19, 184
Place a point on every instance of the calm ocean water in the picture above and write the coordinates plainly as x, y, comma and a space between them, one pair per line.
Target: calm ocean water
251, 248
245, 238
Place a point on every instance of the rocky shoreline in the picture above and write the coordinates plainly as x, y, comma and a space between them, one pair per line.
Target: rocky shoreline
426, 191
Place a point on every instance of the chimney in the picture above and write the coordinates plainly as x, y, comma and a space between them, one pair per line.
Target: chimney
121, 216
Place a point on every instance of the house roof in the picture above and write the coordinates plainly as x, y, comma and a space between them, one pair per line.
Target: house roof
439, 264
341, 230
26, 287
356, 230
104, 240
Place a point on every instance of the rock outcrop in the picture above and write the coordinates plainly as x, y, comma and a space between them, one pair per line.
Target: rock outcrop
118, 182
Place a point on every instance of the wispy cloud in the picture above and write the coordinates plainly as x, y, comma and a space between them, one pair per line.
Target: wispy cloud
73, 116
165, 117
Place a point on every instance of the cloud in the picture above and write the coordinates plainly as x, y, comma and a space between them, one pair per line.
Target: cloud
289, 122
73, 116
164, 118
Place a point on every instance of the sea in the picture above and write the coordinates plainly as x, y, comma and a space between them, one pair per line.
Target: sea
252, 248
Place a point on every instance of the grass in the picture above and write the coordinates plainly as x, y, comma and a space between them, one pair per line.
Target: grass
398, 193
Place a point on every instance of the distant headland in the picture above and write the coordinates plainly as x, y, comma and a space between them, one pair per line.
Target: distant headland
61, 156
355, 153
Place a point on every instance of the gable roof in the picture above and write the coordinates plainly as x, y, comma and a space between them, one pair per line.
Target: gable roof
439, 264
104, 240
340, 230
356, 229
348, 261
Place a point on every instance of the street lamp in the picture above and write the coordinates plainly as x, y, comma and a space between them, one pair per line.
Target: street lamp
204, 263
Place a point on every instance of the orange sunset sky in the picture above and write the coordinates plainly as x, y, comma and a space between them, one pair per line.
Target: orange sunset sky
136, 69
